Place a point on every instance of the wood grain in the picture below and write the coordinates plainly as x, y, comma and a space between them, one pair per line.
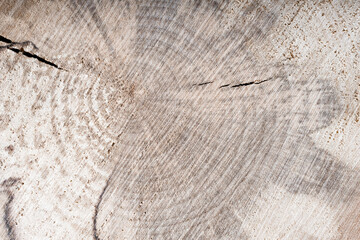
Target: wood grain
179, 119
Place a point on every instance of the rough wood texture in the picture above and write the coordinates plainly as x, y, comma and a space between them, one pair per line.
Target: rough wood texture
179, 119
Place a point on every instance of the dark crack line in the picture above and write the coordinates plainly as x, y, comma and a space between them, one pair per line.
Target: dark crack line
5, 40
30, 55
97, 206
11, 43
236, 85
25, 53
202, 84
226, 85
250, 83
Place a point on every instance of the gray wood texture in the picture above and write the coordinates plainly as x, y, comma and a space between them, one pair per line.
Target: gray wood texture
179, 119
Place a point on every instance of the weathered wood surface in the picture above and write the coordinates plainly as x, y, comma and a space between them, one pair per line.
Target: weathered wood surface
179, 120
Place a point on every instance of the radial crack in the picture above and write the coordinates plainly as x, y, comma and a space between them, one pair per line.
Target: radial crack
11, 46
5, 40
225, 85
249, 83
97, 206
202, 84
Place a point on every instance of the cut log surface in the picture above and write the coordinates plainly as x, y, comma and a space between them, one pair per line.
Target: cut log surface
179, 119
